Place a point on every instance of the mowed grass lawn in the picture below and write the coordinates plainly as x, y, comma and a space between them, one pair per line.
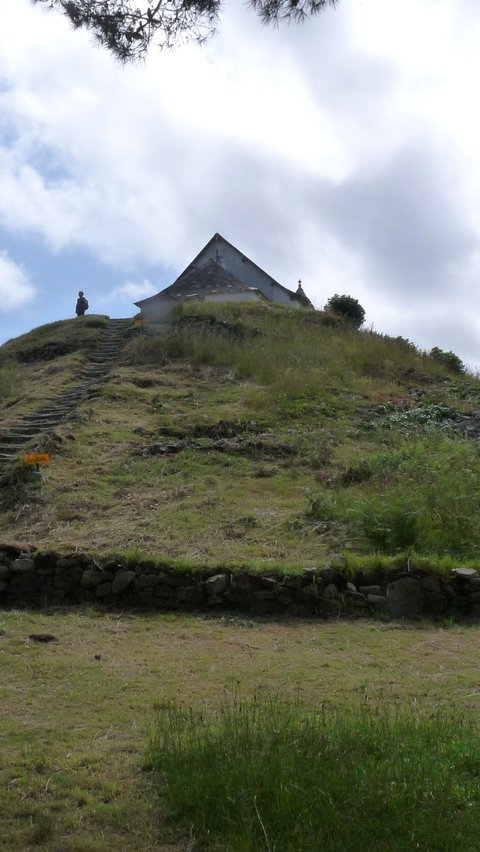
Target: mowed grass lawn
77, 714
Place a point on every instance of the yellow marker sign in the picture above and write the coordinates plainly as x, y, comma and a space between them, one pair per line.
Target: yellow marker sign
36, 458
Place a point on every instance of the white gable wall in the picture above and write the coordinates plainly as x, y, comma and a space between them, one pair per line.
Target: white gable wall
237, 264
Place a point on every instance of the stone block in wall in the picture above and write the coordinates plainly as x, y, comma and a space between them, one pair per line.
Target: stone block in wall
172, 578
60, 594
66, 580
331, 591
241, 582
3, 586
15, 549
76, 562
294, 581
214, 600
46, 562
22, 566
371, 590
104, 590
190, 594
434, 603
24, 585
122, 581
264, 594
164, 592
263, 582
377, 601
357, 596
431, 583
310, 592
217, 584
464, 573
405, 598
5, 572
112, 566
448, 591
91, 578
167, 603
146, 581
238, 598
285, 599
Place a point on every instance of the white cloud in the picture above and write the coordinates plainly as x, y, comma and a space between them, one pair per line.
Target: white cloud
344, 152
132, 291
16, 288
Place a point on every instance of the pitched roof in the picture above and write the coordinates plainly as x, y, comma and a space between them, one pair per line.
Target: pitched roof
204, 279
215, 239
211, 277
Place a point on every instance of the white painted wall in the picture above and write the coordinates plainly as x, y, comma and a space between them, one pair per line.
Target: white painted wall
237, 264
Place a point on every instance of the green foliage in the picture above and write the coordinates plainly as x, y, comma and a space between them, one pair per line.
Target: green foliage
82, 333
347, 307
421, 496
263, 774
11, 379
127, 28
237, 412
291, 354
448, 359
424, 417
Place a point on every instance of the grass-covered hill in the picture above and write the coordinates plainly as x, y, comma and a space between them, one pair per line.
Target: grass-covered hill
245, 435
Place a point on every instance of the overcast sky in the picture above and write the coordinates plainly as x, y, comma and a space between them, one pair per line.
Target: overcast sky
345, 152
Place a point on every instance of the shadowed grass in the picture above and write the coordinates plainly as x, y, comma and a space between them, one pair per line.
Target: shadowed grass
262, 774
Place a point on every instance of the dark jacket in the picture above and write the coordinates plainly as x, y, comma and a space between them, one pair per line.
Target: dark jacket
81, 307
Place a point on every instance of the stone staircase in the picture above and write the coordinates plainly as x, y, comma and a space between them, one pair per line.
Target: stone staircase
16, 436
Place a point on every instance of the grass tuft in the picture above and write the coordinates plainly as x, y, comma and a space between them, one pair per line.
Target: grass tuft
263, 774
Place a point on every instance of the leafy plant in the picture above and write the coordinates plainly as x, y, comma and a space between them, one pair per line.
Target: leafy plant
347, 307
448, 359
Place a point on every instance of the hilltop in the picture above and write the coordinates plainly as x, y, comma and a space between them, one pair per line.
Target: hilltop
242, 434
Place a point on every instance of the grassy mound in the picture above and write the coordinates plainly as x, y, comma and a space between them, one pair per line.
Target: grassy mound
251, 435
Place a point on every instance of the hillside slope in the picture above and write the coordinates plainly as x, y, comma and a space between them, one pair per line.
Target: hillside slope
242, 435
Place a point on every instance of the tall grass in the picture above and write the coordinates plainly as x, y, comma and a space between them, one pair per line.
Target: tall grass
262, 775
274, 345
422, 496
11, 379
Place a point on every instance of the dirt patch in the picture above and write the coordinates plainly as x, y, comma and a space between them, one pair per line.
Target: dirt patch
255, 447
222, 429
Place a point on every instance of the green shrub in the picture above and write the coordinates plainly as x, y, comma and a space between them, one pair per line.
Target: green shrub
448, 359
347, 307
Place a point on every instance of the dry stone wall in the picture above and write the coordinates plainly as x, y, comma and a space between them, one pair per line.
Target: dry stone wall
31, 577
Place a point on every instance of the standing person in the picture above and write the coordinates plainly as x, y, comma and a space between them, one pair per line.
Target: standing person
82, 304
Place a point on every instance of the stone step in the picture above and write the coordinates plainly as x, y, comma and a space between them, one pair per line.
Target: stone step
108, 349
73, 397
15, 438
41, 418
57, 412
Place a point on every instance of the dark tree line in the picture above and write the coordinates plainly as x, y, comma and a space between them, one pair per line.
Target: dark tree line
128, 27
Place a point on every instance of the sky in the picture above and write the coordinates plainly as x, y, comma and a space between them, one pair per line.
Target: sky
344, 152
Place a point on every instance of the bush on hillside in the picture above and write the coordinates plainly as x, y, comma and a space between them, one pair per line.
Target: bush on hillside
448, 359
347, 307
